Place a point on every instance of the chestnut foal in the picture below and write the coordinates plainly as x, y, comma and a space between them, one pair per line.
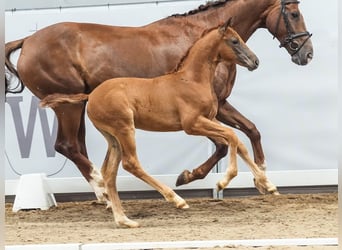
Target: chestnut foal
182, 100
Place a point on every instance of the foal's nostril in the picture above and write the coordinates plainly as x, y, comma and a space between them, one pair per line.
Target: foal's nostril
310, 55
256, 62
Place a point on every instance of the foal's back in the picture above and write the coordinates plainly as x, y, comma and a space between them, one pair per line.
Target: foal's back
148, 104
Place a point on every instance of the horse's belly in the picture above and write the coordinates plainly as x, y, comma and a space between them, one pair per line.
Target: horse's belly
157, 122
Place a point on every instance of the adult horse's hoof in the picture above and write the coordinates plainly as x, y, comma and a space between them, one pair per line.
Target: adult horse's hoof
183, 178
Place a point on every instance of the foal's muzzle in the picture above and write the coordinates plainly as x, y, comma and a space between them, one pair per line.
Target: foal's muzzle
254, 64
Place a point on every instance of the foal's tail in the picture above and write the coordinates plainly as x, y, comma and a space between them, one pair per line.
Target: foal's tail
54, 100
10, 68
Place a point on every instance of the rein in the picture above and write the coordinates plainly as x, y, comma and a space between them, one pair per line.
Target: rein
291, 35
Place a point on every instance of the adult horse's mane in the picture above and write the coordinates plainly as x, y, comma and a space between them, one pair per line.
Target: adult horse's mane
181, 61
203, 7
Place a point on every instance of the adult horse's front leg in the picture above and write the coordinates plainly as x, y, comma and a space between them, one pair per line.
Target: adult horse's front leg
70, 142
232, 117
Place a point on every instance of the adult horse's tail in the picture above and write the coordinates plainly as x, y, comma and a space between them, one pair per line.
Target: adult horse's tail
10, 68
54, 100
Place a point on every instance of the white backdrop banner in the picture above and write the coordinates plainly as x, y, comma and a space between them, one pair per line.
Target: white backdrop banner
294, 107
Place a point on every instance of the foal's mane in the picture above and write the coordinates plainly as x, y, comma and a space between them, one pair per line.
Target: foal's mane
203, 7
180, 63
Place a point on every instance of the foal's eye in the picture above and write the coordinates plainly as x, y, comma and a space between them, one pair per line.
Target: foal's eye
235, 41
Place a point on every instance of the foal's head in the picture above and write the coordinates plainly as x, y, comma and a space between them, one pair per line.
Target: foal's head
234, 50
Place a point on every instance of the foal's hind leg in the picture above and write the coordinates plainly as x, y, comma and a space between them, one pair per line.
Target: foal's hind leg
70, 143
109, 172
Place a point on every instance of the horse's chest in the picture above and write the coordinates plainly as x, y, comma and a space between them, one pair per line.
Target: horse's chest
208, 106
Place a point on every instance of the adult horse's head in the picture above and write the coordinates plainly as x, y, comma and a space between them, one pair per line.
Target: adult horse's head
234, 49
286, 23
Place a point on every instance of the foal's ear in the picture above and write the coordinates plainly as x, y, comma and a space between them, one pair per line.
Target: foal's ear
227, 24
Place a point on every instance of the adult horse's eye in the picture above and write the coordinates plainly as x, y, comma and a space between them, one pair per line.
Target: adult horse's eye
294, 14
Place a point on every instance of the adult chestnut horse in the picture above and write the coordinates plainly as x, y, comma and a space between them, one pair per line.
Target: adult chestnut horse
74, 58
183, 100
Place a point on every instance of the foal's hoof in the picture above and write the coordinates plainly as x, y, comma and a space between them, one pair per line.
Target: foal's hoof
219, 187
266, 188
183, 205
275, 192
261, 188
183, 178
180, 202
127, 223
98, 203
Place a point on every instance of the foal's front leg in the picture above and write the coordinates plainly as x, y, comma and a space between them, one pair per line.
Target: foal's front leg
230, 116
260, 180
220, 135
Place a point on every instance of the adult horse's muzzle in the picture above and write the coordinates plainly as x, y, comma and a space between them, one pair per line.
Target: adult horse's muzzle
301, 51
304, 55
299, 47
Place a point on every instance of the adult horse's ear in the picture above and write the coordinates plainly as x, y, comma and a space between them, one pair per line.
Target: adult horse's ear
227, 24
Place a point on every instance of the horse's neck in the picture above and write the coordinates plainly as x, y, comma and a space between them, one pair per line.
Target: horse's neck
251, 16
202, 59
248, 16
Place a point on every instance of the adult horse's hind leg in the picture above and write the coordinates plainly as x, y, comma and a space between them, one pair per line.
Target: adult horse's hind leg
82, 134
202, 171
220, 135
70, 143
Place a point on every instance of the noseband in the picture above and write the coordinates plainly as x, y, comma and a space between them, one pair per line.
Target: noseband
291, 35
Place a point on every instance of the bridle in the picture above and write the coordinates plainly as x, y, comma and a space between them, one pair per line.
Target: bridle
291, 35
